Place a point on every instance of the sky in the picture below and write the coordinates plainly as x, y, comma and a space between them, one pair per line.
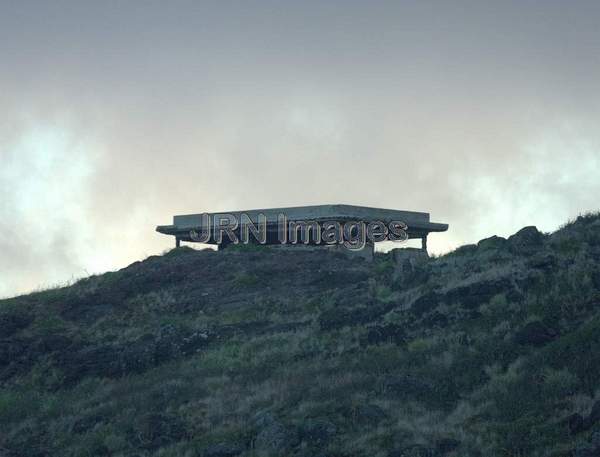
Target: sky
116, 115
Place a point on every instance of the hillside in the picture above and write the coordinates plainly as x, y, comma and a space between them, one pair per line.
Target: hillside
491, 350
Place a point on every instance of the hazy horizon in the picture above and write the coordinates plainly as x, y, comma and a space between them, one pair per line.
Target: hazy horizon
118, 115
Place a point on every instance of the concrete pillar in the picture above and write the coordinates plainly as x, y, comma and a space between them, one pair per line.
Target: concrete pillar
424, 243
177, 242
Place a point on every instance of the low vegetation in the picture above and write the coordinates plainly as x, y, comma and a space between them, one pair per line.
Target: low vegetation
491, 350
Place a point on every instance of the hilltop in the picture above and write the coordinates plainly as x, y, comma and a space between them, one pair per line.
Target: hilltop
491, 350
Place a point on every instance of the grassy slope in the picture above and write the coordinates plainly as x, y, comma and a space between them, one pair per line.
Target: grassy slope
488, 351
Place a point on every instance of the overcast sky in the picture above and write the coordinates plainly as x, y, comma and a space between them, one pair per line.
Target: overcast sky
115, 115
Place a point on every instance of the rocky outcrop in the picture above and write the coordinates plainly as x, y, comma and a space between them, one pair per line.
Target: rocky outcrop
589, 449
273, 436
385, 334
492, 243
317, 433
526, 241
222, 450
535, 333
12, 322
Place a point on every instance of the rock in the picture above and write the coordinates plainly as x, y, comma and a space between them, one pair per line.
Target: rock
466, 249
368, 415
263, 419
443, 392
407, 386
477, 293
389, 333
222, 450
339, 317
287, 327
411, 266
594, 415
155, 430
596, 279
435, 319
332, 278
87, 422
13, 349
576, 423
535, 333
115, 360
526, 241
584, 451
542, 261
413, 255
11, 323
317, 432
446, 445
590, 449
272, 434
51, 343
31, 440
99, 360
415, 450
493, 242
425, 303
595, 440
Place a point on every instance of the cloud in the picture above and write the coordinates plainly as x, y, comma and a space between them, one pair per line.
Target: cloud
44, 205
117, 116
